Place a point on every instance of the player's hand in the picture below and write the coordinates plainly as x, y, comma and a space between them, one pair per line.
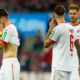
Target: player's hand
52, 24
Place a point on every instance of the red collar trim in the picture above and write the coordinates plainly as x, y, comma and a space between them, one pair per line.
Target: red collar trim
75, 24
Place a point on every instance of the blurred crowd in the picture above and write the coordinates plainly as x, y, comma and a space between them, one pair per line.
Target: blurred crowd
33, 57
33, 5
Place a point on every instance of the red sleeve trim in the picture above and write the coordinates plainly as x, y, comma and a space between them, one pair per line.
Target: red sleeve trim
52, 40
4, 42
12, 72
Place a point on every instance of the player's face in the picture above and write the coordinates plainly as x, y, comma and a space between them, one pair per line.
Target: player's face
73, 14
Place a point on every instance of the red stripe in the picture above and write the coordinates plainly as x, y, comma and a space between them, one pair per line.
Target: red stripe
3, 41
12, 72
52, 40
75, 24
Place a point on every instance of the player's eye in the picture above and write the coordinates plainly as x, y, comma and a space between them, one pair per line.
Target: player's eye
74, 13
70, 13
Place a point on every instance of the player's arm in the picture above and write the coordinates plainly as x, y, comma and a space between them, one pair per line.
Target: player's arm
52, 24
1, 33
2, 43
6, 34
48, 42
53, 37
77, 44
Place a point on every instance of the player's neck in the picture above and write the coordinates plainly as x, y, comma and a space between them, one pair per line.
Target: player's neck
75, 23
60, 20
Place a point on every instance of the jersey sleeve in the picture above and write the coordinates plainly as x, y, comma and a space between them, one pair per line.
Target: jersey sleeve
55, 34
6, 35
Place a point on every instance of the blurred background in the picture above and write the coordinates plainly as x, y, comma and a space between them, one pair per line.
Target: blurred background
31, 18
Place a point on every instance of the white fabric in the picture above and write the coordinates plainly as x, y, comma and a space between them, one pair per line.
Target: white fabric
10, 69
63, 49
60, 75
75, 75
10, 34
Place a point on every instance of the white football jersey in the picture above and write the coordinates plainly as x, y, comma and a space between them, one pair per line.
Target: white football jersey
75, 56
63, 48
10, 35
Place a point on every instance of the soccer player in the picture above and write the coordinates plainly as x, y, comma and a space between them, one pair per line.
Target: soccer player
74, 14
62, 38
9, 42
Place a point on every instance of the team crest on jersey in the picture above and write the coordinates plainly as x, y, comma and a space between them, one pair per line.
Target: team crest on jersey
71, 30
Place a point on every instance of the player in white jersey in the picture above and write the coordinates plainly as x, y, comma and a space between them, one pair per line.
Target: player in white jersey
63, 49
74, 14
9, 42
75, 75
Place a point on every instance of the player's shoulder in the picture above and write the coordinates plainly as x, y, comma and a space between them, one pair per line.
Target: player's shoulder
11, 27
63, 25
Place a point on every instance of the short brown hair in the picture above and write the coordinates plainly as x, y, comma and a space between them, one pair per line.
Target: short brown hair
3, 12
74, 6
60, 10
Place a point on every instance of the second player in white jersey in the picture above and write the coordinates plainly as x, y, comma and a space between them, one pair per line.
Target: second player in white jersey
75, 75
75, 57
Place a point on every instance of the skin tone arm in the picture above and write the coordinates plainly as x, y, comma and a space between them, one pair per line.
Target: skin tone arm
47, 42
2, 44
77, 44
52, 24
